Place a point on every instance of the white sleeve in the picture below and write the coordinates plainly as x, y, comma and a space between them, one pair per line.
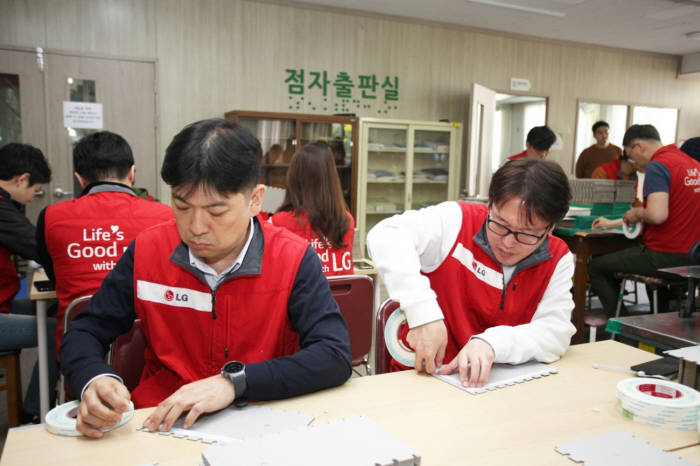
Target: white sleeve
548, 334
416, 241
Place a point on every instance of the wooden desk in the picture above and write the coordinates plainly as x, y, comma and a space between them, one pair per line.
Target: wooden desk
42, 298
520, 424
584, 245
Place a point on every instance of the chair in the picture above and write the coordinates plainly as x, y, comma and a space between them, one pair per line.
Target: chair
73, 309
382, 358
654, 283
355, 297
126, 355
12, 384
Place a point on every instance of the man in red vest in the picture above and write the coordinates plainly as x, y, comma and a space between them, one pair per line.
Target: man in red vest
669, 216
538, 143
81, 240
23, 169
483, 283
232, 309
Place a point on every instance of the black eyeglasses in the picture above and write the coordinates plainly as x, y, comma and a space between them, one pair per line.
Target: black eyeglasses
520, 237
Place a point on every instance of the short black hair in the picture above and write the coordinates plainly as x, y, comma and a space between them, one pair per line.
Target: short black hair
598, 124
214, 154
646, 132
103, 155
541, 184
17, 159
541, 137
692, 147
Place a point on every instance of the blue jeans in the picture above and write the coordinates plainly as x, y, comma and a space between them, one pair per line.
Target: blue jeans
18, 330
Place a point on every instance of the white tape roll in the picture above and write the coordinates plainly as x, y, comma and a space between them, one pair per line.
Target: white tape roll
632, 233
658, 403
62, 419
398, 350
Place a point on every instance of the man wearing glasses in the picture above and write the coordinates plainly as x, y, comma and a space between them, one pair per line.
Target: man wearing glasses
670, 216
483, 283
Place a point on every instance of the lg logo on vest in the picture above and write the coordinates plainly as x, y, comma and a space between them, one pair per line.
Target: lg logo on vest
77, 250
169, 296
479, 270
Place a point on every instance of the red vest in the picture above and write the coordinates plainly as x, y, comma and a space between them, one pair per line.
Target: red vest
85, 238
611, 169
682, 227
518, 156
470, 290
334, 261
9, 280
185, 342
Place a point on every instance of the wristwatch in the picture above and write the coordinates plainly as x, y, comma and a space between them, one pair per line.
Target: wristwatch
235, 372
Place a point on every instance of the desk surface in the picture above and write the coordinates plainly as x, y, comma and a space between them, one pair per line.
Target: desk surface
445, 425
35, 294
666, 329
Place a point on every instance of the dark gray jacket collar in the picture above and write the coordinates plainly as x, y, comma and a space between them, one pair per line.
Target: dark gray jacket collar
252, 261
105, 187
537, 256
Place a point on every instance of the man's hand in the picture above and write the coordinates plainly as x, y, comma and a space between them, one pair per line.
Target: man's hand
602, 222
474, 362
429, 342
102, 405
203, 396
633, 216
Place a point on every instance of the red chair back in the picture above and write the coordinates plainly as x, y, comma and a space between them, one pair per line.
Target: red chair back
73, 309
126, 355
382, 358
355, 297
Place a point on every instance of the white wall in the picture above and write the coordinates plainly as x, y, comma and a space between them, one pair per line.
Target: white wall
219, 55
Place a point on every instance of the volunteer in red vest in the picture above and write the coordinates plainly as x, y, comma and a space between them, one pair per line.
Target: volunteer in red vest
483, 283
619, 169
314, 208
232, 309
81, 240
23, 169
538, 143
669, 216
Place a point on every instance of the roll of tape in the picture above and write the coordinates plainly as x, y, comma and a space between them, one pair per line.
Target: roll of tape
632, 233
62, 419
664, 404
392, 337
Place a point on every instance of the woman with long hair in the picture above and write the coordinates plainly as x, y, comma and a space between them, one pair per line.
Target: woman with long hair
314, 208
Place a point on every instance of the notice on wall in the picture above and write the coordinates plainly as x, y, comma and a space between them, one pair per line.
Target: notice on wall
520, 84
82, 115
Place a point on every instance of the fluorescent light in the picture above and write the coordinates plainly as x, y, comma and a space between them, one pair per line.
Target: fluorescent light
519, 7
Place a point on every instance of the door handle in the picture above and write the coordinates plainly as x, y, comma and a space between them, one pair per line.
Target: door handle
59, 193
39, 193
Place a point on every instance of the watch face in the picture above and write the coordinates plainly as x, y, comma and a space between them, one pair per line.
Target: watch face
232, 367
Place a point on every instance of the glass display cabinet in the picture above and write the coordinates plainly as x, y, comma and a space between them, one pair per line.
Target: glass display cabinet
281, 134
404, 165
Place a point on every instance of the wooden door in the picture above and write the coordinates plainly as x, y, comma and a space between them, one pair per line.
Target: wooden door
126, 91
22, 108
481, 120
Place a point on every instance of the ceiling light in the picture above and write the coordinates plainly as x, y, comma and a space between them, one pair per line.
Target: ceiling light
693, 35
519, 7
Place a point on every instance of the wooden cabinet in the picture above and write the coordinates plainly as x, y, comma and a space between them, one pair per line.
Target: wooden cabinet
404, 165
281, 134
